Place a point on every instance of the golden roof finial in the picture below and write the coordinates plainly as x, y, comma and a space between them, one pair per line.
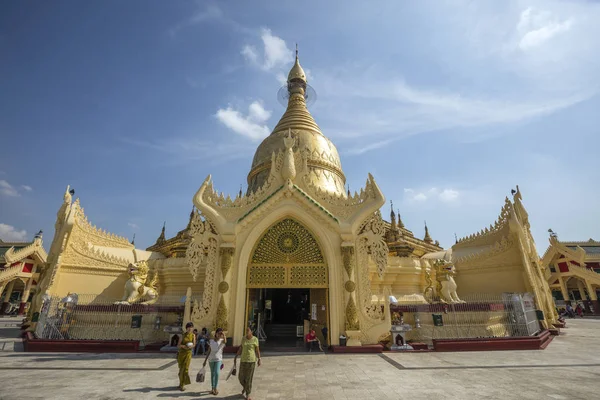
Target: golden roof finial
400, 223
297, 73
427, 238
392, 215
161, 239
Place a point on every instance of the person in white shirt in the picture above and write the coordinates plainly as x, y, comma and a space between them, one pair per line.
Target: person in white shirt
215, 358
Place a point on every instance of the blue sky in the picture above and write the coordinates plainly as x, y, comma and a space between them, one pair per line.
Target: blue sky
448, 104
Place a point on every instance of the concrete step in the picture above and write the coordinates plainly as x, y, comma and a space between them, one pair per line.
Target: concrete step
281, 330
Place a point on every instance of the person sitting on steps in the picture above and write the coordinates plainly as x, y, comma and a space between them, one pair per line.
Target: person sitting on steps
312, 341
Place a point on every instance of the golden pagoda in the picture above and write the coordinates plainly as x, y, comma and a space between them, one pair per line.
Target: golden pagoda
297, 246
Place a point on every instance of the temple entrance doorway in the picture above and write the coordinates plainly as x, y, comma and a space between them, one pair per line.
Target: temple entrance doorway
281, 317
287, 287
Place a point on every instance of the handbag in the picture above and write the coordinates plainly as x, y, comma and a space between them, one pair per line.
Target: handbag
201, 375
232, 372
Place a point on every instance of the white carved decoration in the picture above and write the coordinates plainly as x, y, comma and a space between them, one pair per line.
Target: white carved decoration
370, 244
288, 170
203, 251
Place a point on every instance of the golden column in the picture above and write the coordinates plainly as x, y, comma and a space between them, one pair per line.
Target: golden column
352, 323
27, 291
222, 309
9, 290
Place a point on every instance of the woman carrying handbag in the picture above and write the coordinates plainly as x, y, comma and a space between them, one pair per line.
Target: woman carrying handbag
250, 355
215, 358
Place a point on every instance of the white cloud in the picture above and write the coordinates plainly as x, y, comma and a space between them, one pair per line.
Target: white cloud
211, 12
537, 27
281, 78
26, 188
133, 225
449, 195
252, 126
8, 233
445, 195
183, 150
277, 53
276, 56
250, 54
421, 110
7, 189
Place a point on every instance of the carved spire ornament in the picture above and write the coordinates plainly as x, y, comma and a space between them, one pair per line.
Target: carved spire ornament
400, 223
288, 171
427, 238
392, 215
161, 239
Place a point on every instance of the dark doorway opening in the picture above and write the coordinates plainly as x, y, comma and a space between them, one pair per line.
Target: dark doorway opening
282, 314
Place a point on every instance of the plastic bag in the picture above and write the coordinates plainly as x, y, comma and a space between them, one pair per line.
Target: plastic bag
201, 375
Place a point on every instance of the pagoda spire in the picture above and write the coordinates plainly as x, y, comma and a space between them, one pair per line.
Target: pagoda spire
297, 73
191, 217
133, 240
400, 223
161, 239
393, 234
427, 238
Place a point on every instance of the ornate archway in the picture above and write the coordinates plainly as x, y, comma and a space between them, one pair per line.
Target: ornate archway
287, 256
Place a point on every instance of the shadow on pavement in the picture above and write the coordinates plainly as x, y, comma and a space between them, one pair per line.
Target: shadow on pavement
173, 392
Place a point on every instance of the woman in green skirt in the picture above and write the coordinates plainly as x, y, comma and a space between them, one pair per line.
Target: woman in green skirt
184, 355
250, 354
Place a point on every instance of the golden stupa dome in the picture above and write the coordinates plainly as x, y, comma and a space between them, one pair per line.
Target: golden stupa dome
323, 160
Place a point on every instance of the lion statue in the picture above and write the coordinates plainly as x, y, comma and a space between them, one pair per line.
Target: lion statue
446, 286
138, 288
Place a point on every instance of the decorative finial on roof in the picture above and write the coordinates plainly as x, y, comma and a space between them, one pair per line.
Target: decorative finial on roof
349, 190
297, 73
240, 194
68, 196
392, 216
400, 223
455, 238
133, 240
38, 235
427, 238
552, 234
191, 218
161, 239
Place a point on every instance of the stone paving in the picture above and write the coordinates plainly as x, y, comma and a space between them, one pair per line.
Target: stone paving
568, 369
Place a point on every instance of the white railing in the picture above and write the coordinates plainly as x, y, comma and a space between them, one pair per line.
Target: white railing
93, 317
480, 316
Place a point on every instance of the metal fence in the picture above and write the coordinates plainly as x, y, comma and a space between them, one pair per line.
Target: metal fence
93, 317
480, 316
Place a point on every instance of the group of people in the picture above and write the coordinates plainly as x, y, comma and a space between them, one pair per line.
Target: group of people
191, 343
570, 312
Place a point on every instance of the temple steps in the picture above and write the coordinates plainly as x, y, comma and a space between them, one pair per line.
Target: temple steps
281, 330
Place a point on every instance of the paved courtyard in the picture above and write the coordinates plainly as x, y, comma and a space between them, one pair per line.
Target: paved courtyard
568, 369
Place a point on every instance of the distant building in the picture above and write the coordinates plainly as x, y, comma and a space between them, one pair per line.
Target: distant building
573, 272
